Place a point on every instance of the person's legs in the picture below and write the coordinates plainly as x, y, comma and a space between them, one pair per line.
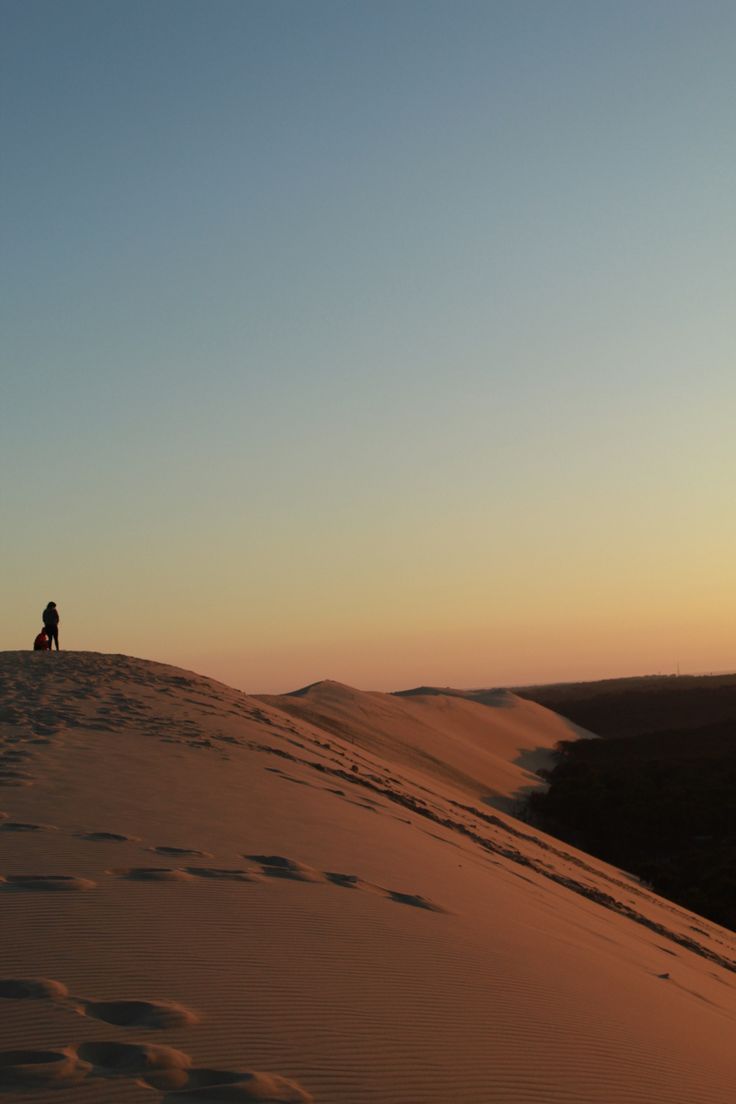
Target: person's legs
53, 635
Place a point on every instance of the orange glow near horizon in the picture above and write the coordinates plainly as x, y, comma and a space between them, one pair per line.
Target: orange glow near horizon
424, 376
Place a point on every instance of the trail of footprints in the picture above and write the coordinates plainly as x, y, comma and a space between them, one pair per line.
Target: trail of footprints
271, 866
156, 1066
22, 731
265, 866
159, 1067
35, 711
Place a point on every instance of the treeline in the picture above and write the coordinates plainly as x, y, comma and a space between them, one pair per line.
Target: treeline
661, 805
654, 703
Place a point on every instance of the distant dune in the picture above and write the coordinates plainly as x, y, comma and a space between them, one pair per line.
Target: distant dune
210, 897
488, 749
665, 771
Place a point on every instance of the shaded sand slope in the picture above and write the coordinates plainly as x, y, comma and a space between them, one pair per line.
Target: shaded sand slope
487, 750
209, 899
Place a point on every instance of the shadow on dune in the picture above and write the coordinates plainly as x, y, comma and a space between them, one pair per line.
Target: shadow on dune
659, 804
517, 803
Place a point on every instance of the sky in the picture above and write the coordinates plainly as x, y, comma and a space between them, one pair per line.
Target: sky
384, 342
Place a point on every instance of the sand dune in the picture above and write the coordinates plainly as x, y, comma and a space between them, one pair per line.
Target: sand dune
489, 750
214, 897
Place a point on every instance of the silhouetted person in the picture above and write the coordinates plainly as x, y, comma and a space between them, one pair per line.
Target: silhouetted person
51, 624
41, 643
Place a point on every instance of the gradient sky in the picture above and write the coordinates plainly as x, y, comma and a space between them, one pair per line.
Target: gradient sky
389, 342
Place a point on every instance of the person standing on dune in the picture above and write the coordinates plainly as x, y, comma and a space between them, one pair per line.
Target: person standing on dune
51, 624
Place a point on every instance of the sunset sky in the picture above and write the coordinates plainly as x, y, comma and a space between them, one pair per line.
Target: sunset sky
384, 342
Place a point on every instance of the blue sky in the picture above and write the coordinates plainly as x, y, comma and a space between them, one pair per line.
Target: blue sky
338, 313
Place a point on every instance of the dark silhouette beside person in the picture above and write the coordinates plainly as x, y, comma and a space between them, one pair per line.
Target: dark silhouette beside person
51, 624
41, 643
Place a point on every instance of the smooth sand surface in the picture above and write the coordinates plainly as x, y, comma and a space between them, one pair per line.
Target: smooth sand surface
211, 897
488, 751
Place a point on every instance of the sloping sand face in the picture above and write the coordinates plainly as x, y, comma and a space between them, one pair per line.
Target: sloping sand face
219, 899
489, 751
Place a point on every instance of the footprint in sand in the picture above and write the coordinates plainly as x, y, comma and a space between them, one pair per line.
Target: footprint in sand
347, 881
32, 989
181, 851
151, 874
225, 873
208, 1086
413, 899
158, 1065
277, 866
43, 882
139, 1013
121, 1013
352, 881
23, 826
29, 1069
108, 837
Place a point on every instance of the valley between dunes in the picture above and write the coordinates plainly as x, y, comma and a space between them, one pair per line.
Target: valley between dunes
322, 896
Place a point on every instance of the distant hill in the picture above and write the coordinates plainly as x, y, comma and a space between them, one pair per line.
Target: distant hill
631, 706
656, 796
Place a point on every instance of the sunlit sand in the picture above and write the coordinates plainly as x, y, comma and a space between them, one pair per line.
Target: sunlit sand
322, 896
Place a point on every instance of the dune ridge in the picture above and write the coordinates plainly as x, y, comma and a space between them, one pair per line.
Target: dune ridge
487, 746
311, 903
